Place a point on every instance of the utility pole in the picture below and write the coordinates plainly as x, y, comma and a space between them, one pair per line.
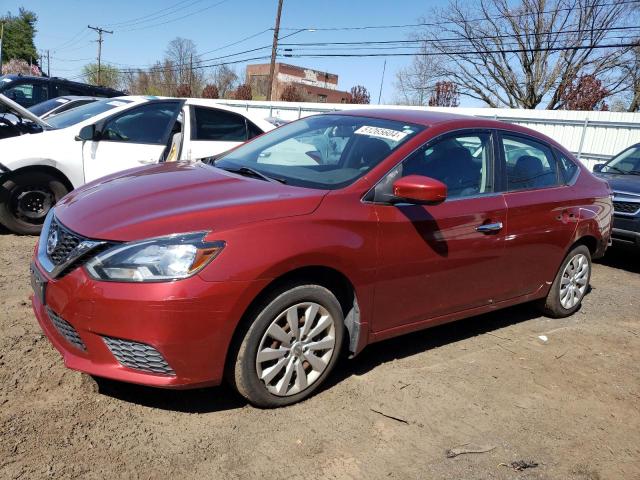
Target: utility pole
1, 38
48, 64
100, 32
274, 48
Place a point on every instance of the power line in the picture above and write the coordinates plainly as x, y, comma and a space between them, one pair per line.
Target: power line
464, 52
177, 18
153, 16
481, 37
437, 24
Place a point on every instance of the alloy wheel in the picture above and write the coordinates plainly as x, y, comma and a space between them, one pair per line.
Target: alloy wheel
573, 284
296, 349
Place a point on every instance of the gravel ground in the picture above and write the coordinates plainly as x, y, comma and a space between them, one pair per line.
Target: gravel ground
571, 404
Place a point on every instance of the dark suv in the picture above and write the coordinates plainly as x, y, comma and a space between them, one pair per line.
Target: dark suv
623, 174
28, 91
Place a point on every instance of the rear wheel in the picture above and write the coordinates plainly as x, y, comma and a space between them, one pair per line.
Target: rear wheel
290, 347
570, 285
26, 198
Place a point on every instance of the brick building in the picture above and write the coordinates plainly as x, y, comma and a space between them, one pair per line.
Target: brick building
317, 86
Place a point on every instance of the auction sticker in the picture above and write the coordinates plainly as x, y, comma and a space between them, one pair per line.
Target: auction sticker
116, 103
387, 133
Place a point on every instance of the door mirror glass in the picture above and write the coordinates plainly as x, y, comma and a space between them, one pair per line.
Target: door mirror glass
597, 168
87, 133
419, 190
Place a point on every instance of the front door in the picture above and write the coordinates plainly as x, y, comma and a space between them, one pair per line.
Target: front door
133, 138
446, 258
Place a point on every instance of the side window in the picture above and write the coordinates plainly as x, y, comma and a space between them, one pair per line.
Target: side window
462, 162
253, 130
529, 164
146, 124
27, 94
568, 167
218, 125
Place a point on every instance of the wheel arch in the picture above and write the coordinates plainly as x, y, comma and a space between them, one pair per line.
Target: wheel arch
44, 168
332, 279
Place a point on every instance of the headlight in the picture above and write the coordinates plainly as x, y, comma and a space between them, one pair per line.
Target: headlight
155, 260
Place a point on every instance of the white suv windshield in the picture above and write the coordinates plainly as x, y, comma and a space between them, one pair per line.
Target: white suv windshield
77, 115
323, 151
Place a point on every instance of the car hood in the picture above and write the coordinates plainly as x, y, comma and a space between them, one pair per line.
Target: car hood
177, 198
622, 183
18, 109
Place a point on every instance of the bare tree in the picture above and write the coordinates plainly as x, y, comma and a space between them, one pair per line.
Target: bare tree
586, 93
292, 93
243, 92
210, 91
414, 82
225, 79
360, 95
182, 53
526, 54
445, 94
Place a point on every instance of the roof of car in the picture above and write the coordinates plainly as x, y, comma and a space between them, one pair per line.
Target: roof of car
419, 117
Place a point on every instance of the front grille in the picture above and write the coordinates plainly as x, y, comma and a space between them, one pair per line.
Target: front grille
138, 356
626, 207
65, 329
66, 242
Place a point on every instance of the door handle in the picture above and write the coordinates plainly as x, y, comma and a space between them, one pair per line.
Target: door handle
489, 227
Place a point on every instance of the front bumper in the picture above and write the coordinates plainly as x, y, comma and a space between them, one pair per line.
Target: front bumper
626, 229
189, 323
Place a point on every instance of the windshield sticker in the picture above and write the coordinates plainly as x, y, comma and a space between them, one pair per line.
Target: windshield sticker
61, 100
116, 103
386, 133
7, 80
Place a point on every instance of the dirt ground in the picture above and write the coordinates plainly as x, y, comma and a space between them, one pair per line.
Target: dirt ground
571, 405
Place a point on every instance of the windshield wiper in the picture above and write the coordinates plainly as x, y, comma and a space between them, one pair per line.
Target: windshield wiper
634, 172
250, 172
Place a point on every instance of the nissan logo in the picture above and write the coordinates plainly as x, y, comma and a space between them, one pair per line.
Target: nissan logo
52, 241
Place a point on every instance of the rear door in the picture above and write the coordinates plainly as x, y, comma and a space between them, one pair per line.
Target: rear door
542, 212
214, 131
135, 137
442, 259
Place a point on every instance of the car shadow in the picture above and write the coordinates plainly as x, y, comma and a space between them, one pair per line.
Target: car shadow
214, 399
199, 400
622, 257
424, 340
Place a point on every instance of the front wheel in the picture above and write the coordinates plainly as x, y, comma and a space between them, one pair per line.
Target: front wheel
290, 347
26, 198
570, 285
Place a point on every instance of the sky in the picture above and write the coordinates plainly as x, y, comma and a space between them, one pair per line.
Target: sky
140, 40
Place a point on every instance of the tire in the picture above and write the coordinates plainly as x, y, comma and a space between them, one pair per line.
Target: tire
570, 285
26, 198
283, 374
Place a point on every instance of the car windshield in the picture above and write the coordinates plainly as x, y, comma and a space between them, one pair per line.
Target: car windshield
76, 115
628, 162
46, 106
323, 151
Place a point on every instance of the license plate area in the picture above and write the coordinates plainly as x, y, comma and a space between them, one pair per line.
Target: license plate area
38, 283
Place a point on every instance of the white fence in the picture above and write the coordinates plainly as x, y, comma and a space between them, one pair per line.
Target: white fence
592, 136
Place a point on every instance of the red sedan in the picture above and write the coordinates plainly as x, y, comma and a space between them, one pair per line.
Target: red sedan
325, 235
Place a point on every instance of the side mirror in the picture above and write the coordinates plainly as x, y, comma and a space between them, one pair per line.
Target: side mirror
87, 133
419, 190
597, 168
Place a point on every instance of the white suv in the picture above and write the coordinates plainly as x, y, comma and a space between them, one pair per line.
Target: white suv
103, 137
